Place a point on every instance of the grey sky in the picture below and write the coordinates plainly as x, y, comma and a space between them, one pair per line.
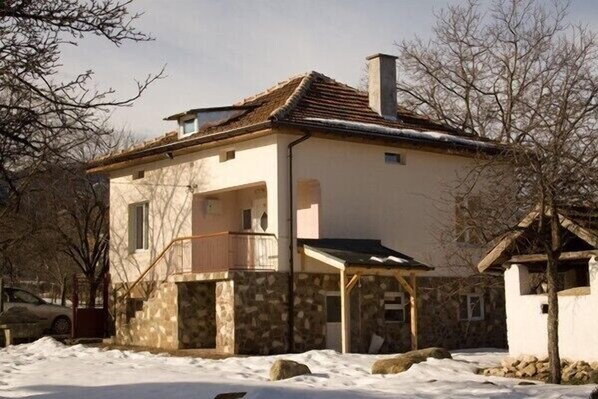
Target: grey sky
218, 52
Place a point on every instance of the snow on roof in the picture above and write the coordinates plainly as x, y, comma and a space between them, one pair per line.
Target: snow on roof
407, 133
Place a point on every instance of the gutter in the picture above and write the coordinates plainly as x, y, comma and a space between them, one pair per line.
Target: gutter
291, 299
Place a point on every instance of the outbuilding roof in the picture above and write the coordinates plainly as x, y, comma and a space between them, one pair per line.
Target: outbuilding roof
579, 221
313, 101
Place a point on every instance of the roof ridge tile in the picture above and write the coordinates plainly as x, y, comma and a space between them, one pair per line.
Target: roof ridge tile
271, 89
295, 97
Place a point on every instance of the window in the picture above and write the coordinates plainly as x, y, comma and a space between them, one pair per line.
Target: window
21, 296
227, 155
394, 307
138, 221
140, 174
333, 308
471, 307
390, 157
466, 211
246, 219
189, 126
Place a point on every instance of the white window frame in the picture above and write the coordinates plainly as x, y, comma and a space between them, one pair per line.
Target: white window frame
133, 232
187, 119
469, 300
395, 306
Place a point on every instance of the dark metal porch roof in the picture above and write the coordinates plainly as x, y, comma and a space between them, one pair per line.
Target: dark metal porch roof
362, 253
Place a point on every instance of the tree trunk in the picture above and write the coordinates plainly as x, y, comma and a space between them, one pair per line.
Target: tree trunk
553, 320
553, 300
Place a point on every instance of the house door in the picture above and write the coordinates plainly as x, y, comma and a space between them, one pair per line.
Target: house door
259, 215
333, 321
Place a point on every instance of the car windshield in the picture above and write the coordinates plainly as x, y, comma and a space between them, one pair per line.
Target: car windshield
24, 297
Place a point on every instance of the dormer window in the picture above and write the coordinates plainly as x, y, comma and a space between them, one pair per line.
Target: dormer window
189, 126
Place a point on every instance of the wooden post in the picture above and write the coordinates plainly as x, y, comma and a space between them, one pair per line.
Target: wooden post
345, 344
413, 302
412, 291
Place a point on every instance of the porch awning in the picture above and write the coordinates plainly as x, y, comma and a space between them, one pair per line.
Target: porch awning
345, 253
356, 257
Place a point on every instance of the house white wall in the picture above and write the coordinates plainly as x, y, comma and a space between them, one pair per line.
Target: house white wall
169, 186
407, 206
527, 325
360, 196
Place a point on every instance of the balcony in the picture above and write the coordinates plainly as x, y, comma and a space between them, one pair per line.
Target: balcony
234, 251
217, 252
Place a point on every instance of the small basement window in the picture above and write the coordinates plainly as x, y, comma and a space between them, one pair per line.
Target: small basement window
471, 307
228, 155
140, 174
189, 126
393, 158
394, 307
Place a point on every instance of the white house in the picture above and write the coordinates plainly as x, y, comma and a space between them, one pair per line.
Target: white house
525, 288
303, 217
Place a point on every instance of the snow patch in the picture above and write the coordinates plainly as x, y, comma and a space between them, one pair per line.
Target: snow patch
50, 370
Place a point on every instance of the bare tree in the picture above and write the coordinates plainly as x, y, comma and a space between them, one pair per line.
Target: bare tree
519, 73
42, 119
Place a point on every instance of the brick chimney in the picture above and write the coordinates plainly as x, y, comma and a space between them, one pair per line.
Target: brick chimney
382, 84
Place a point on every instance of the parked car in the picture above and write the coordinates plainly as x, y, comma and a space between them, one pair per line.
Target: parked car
55, 319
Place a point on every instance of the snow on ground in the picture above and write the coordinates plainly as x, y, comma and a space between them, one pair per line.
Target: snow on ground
51, 370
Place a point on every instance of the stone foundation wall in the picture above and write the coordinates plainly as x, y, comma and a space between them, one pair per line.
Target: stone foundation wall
247, 314
439, 321
261, 310
197, 315
155, 325
225, 316
438, 302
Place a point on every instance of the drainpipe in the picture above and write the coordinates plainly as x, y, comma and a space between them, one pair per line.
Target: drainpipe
305, 136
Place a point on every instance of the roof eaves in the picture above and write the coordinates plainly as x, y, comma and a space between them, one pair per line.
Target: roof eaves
177, 145
399, 139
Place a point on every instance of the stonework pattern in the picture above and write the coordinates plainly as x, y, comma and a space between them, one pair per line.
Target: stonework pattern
225, 316
247, 313
197, 315
155, 325
261, 310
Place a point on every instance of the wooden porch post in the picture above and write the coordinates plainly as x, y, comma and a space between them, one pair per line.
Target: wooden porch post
345, 344
346, 288
413, 303
412, 291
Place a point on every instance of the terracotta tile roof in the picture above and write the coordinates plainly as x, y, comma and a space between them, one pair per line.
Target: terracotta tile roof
313, 100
